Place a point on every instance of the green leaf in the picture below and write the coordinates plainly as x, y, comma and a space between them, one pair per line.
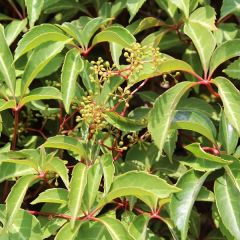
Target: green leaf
230, 6
15, 198
228, 136
143, 24
93, 230
67, 143
168, 6
205, 16
205, 195
123, 123
57, 165
40, 57
116, 34
94, 176
192, 58
7, 71
170, 144
182, 202
230, 97
133, 7
77, 186
198, 35
34, 8
72, 66
108, 169
150, 70
67, 232
13, 29
38, 35
6, 104
49, 226
196, 122
24, 227
162, 113
115, 228
196, 105
41, 93
91, 27
183, 5
227, 201
197, 151
11, 170
138, 227
52, 195
224, 52
132, 184
233, 70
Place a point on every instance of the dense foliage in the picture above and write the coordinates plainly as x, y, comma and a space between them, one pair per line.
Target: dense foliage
119, 119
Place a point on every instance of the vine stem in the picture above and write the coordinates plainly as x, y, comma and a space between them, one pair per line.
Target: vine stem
15, 9
15, 129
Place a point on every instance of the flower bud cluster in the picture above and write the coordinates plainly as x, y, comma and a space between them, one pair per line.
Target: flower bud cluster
101, 70
92, 114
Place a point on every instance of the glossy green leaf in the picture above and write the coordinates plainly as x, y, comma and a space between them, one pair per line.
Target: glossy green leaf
67, 232
15, 198
182, 202
132, 184
24, 227
170, 143
162, 113
192, 58
73, 31
7, 71
115, 228
230, 97
198, 35
198, 152
205, 16
196, 122
228, 136
108, 169
41, 93
34, 8
13, 29
133, 7
67, 143
143, 24
38, 35
230, 6
77, 185
72, 66
38, 60
224, 52
94, 176
227, 201
6, 104
124, 123
150, 70
183, 5
196, 105
91, 27
52, 195
233, 70
138, 227
115, 34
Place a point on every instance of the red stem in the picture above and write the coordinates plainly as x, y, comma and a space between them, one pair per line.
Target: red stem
15, 128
